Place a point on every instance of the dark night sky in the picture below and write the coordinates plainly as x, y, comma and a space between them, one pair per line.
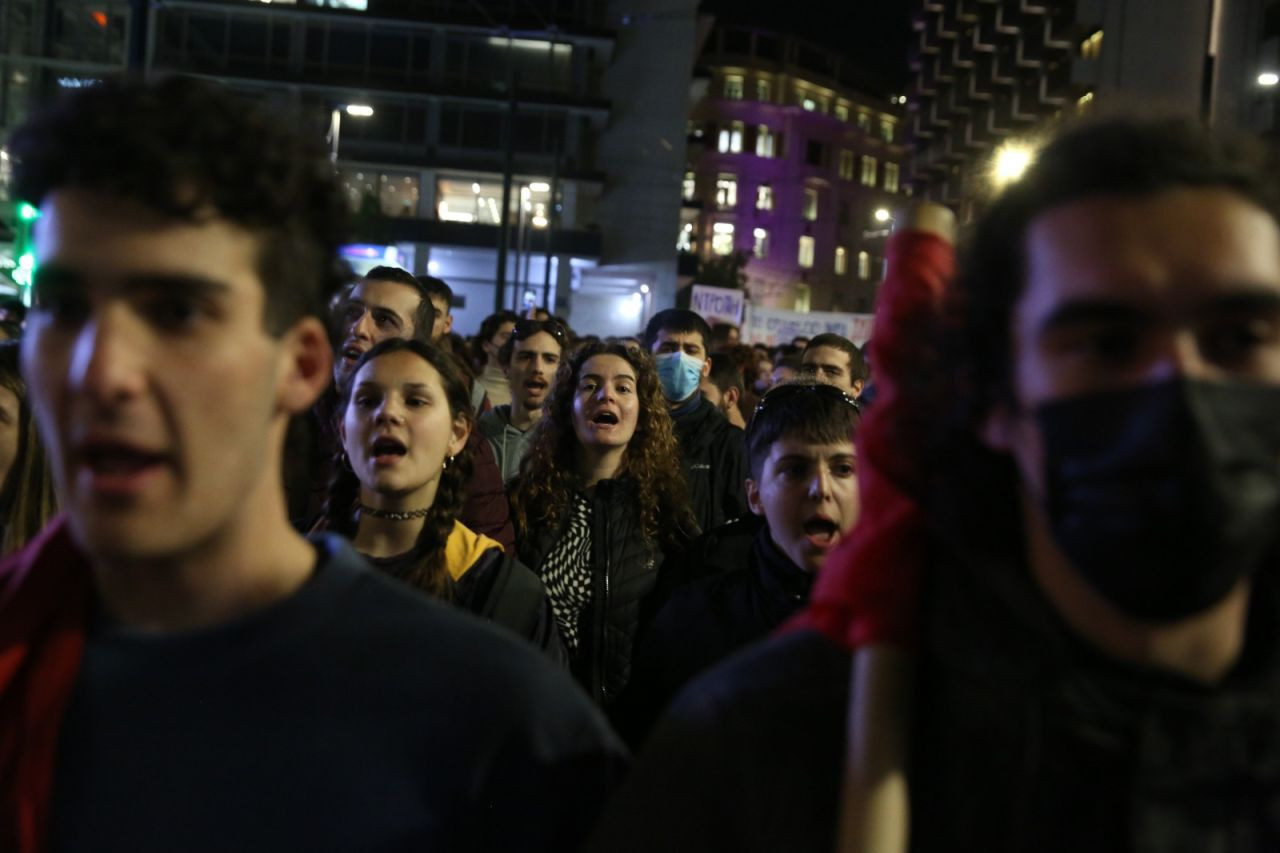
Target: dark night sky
873, 33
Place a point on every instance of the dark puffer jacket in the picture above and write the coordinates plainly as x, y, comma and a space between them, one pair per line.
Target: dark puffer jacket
713, 453
624, 570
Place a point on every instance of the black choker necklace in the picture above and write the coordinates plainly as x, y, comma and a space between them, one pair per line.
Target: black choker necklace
393, 515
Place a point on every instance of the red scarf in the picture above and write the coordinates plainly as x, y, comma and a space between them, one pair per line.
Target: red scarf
866, 591
44, 604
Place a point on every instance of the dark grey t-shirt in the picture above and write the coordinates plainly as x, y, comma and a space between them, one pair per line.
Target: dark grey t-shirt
355, 715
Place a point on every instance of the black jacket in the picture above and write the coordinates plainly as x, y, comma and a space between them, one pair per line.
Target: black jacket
746, 588
624, 569
714, 455
1024, 737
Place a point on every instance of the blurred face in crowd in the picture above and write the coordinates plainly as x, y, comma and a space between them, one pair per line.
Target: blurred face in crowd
831, 365
534, 361
375, 311
397, 430
606, 407
10, 429
161, 397
809, 495
1126, 291
497, 341
780, 374
444, 320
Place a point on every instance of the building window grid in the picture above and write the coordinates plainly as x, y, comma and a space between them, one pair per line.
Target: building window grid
846, 165
726, 191
760, 246
1091, 48
766, 142
864, 122
805, 252
886, 129
841, 112
763, 93
764, 197
891, 177
690, 187
733, 87
722, 238
869, 166
842, 260
731, 138
810, 209
864, 266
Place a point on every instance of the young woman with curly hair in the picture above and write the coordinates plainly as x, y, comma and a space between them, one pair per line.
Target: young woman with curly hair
600, 500
27, 500
404, 419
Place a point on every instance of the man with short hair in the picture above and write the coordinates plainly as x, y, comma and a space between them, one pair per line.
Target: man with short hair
387, 303
531, 356
835, 360
182, 670
1092, 643
724, 336
723, 387
748, 576
711, 448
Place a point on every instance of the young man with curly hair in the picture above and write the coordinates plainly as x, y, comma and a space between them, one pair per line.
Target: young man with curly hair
183, 671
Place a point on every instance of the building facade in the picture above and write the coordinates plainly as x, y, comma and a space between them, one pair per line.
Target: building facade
993, 77
441, 115
792, 165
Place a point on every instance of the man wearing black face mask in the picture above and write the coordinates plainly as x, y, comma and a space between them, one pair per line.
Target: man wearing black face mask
1084, 467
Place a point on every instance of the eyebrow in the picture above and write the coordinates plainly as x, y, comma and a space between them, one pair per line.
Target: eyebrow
600, 378
1246, 299
52, 276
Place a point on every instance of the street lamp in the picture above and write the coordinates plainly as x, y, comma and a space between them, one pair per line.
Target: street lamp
1010, 162
882, 214
1268, 79
335, 124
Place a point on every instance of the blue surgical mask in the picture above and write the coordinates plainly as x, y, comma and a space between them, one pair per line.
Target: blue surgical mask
679, 374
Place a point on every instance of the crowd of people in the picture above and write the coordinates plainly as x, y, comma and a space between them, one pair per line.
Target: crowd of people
323, 574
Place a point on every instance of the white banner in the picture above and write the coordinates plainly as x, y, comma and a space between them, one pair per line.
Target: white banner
717, 304
775, 326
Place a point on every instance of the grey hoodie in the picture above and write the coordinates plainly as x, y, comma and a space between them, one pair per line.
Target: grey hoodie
509, 444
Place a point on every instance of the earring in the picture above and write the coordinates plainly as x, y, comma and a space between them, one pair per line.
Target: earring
445, 466
345, 462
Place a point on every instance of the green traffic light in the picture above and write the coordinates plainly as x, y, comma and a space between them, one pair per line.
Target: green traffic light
27, 212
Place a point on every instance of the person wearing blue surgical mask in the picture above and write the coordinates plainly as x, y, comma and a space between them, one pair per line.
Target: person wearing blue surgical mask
712, 450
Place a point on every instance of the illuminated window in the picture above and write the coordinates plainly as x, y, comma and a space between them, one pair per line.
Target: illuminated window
810, 203
886, 129
764, 141
822, 106
733, 87
685, 242
1091, 47
731, 138
864, 266
762, 90
891, 177
868, 171
690, 188
726, 191
842, 112
846, 165
842, 260
760, 248
864, 122
805, 258
764, 197
1085, 101
722, 238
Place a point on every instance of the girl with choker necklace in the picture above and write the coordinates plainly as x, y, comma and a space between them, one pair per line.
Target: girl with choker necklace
403, 419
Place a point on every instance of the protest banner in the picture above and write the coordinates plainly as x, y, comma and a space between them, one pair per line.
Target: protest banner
774, 326
717, 304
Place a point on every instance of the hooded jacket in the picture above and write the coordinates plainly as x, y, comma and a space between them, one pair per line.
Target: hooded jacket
509, 444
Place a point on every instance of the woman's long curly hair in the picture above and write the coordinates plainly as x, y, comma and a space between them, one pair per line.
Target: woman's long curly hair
430, 572
27, 499
549, 470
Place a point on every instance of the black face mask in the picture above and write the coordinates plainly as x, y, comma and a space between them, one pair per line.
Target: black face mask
1164, 496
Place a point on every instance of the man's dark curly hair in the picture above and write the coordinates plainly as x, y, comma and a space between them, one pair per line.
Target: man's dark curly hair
1112, 156
191, 150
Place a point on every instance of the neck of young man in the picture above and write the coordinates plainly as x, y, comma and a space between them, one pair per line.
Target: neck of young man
523, 415
253, 561
389, 537
1203, 647
596, 463
680, 404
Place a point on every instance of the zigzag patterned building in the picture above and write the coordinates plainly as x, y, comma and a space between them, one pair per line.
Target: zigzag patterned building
992, 76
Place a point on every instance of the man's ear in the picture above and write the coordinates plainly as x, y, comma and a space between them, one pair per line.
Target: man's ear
306, 365
706, 366
753, 498
731, 396
857, 387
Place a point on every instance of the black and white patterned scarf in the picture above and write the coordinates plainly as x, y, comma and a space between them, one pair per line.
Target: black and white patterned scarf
566, 572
